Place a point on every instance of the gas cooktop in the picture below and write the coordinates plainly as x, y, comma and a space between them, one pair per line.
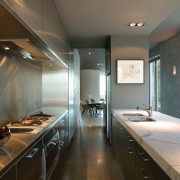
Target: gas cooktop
31, 123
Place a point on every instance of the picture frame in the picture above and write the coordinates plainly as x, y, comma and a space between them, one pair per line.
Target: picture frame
130, 71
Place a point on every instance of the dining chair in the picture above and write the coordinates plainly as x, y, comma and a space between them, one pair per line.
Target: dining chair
100, 108
87, 101
101, 99
93, 100
85, 107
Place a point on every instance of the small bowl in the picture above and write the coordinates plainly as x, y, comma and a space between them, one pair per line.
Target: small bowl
4, 134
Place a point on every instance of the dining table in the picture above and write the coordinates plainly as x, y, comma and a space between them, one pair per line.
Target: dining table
93, 105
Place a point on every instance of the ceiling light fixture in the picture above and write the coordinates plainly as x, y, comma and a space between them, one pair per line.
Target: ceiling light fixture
89, 52
133, 24
140, 24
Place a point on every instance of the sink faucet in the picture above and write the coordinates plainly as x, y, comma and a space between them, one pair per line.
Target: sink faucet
148, 110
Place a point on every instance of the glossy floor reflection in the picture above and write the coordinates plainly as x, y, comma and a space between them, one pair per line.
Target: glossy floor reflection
90, 157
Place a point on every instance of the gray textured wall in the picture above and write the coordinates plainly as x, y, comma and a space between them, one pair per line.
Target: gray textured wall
20, 88
170, 85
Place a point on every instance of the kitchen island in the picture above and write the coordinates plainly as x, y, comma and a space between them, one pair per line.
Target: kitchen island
159, 138
19, 144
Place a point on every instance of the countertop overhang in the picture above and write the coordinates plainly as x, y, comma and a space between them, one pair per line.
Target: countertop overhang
159, 138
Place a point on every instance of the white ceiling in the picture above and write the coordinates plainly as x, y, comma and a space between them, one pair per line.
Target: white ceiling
90, 22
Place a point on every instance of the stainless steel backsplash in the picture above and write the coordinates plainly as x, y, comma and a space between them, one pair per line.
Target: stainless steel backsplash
55, 88
20, 88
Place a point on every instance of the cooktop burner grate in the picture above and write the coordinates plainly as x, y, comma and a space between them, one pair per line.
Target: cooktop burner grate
33, 120
26, 123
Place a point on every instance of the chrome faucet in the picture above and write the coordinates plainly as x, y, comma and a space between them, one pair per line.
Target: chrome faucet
148, 110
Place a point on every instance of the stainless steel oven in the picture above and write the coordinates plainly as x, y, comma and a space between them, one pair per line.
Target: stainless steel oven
50, 152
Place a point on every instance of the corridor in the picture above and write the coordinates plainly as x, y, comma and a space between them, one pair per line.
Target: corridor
90, 157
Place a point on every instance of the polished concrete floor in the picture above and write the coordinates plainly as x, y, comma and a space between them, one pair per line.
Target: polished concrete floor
90, 157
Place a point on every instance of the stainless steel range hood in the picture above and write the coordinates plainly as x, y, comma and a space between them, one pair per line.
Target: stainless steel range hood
23, 42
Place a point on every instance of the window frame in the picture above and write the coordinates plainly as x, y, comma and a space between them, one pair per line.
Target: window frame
155, 60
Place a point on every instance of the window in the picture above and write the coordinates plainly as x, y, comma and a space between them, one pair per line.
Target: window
102, 85
155, 87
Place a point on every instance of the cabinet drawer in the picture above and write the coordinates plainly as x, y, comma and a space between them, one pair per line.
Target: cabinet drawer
144, 162
142, 172
131, 141
29, 166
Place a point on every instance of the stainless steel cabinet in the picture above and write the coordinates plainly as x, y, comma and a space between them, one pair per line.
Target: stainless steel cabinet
10, 174
54, 34
29, 167
30, 12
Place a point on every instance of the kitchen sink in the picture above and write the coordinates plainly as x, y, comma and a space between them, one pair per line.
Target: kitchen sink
132, 114
21, 129
141, 119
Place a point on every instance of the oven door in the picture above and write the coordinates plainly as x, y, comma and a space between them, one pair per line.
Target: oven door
50, 156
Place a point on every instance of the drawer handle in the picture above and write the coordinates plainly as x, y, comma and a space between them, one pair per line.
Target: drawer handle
61, 143
143, 174
130, 151
53, 143
143, 156
130, 139
32, 153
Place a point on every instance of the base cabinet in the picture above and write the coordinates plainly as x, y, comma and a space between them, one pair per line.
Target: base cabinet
135, 162
29, 166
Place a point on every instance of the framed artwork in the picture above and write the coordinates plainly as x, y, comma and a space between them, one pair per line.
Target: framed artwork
130, 71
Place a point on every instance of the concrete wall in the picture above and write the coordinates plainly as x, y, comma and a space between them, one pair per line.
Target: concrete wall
89, 84
129, 47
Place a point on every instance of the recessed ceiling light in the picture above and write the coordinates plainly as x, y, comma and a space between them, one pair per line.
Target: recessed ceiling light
140, 24
89, 53
24, 57
133, 24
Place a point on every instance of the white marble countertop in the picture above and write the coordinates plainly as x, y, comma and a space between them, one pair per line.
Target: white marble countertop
160, 138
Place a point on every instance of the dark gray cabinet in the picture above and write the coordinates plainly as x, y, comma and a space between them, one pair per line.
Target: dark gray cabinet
29, 166
135, 162
146, 167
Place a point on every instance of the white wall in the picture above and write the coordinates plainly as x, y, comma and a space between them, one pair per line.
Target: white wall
129, 47
89, 84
